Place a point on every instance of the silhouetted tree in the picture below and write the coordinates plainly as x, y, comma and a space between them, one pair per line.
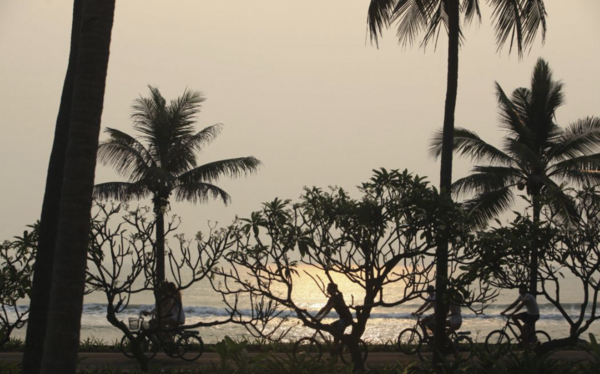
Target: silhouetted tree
16, 273
68, 281
121, 263
163, 160
517, 20
44, 261
536, 156
381, 242
567, 253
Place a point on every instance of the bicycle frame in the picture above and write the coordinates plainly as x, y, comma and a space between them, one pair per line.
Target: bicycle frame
509, 325
428, 338
326, 340
454, 340
178, 346
317, 341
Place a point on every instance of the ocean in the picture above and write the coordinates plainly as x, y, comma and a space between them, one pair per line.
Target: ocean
202, 304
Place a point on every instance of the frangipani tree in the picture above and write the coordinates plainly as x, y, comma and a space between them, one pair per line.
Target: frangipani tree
569, 266
384, 240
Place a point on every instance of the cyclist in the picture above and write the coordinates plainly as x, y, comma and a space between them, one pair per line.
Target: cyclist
529, 317
175, 316
168, 312
336, 302
454, 320
427, 322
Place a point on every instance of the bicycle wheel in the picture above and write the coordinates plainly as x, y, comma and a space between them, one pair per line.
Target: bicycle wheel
409, 341
542, 336
126, 345
497, 340
189, 347
148, 345
463, 347
171, 349
307, 348
425, 351
346, 356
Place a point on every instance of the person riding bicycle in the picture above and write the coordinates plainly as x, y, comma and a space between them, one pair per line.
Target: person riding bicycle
454, 320
427, 322
168, 313
529, 317
336, 302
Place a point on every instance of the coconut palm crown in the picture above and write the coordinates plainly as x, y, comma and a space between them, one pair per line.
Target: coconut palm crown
537, 155
162, 161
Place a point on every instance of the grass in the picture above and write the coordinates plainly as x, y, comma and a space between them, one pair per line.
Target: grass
235, 360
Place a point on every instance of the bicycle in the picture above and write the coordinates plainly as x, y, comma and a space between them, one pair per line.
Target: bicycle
313, 346
499, 339
410, 342
185, 344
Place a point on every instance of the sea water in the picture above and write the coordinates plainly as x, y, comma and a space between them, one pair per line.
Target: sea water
202, 304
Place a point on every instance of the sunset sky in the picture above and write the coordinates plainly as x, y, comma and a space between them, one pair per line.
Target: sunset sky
296, 84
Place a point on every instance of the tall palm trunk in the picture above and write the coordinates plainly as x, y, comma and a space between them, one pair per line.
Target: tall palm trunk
533, 275
44, 260
160, 203
160, 249
61, 342
446, 174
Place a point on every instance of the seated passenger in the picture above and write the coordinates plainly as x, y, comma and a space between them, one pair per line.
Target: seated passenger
169, 312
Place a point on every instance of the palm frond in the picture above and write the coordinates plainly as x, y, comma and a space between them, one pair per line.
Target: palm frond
182, 111
121, 191
579, 138
507, 19
546, 98
485, 179
412, 17
199, 192
535, 15
204, 137
438, 17
378, 17
580, 177
511, 116
145, 111
488, 205
125, 154
561, 203
521, 102
468, 143
213, 171
524, 156
184, 108
518, 21
183, 152
581, 170
471, 9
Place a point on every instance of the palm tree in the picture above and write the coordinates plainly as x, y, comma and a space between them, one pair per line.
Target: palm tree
536, 155
163, 161
517, 20
61, 341
44, 257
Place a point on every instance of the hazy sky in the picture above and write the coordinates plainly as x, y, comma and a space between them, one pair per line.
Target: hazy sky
295, 83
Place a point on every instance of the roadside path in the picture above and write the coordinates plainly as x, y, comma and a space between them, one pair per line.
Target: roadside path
162, 360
